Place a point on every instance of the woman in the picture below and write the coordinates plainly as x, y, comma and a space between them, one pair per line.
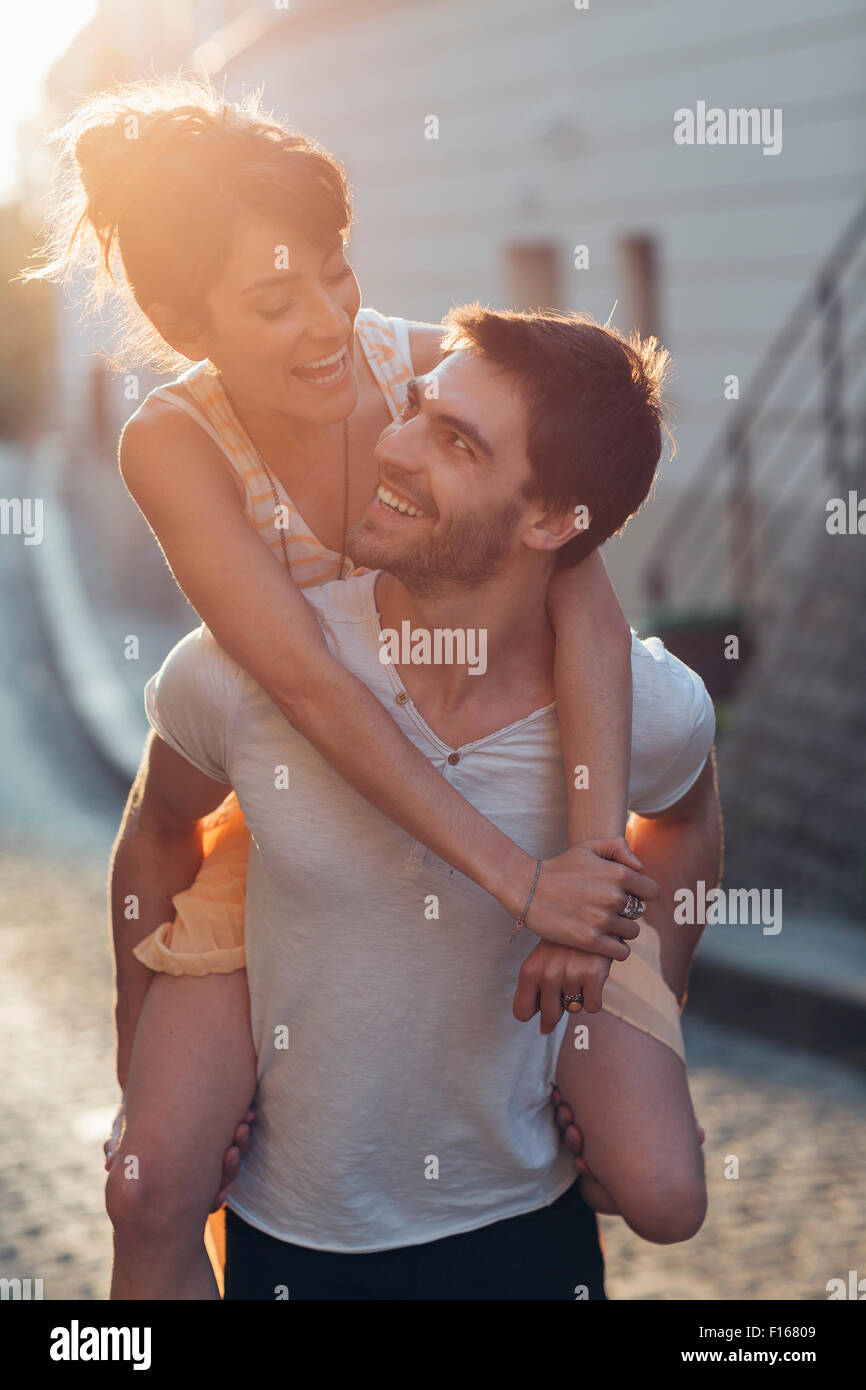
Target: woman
225, 237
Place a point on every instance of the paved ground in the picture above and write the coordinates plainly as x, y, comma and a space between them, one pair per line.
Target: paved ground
58, 811
794, 1219
54, 1102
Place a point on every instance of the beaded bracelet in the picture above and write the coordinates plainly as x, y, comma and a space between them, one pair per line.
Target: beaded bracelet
521, 921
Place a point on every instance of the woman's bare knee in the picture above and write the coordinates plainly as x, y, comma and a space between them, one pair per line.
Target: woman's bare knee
668, 1211
191, 1079
148, 1205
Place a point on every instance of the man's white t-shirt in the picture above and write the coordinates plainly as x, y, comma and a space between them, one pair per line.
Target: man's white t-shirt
399, 1099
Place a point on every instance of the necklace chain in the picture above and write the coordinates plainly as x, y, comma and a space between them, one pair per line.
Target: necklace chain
276, 496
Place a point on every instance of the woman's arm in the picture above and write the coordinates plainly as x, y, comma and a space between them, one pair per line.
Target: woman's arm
592, 678
259, 616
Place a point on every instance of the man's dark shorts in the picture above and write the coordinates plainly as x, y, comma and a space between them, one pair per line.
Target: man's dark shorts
552, 1254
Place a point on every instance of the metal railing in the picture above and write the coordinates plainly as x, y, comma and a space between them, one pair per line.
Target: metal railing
734, 496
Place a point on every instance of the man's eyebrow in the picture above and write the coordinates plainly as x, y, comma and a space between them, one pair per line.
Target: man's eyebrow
459, 426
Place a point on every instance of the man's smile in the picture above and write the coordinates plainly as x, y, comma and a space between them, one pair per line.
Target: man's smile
393, 502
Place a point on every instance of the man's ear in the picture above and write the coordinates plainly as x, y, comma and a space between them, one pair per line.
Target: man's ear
178, 332
555, 528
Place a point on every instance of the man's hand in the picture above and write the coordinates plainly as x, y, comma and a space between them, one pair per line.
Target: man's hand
591, 1189
670, 841
233, 1156
581, 893
231, 1159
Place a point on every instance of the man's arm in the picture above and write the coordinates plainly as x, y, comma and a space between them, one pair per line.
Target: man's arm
156, 854
679, 847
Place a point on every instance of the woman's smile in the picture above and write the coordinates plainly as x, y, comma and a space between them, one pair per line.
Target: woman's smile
325, 372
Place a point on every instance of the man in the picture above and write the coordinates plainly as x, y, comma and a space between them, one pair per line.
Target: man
405, 1144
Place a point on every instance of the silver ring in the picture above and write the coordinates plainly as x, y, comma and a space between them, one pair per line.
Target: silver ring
633, 908
572, 1003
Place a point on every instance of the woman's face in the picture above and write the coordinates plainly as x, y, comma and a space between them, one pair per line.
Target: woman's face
281, 324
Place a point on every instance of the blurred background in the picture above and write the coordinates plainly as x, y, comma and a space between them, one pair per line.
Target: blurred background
519, 152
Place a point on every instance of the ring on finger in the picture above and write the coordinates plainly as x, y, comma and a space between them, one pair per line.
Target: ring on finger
572, 1003
633, 908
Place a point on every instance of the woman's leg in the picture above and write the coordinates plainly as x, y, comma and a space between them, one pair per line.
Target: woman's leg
630, 1098
191, 1078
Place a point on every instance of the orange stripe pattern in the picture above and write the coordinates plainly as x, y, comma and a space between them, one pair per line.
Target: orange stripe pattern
310, 562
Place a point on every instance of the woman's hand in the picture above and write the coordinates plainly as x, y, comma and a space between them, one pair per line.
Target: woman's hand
551, 971
580, 894
576, 907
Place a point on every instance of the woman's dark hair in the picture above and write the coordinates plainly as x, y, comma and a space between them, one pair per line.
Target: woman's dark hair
152, 179
595, 411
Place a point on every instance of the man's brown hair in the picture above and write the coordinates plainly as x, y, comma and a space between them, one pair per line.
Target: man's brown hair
595, 409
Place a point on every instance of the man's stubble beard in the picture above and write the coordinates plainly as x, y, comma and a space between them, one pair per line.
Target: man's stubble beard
469, 553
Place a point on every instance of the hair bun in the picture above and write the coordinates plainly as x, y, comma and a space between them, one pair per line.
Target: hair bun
104, 152
152, 178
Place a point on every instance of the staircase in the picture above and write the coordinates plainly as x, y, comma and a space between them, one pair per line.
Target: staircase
792, 759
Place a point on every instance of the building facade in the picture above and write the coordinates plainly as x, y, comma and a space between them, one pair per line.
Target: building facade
525, 153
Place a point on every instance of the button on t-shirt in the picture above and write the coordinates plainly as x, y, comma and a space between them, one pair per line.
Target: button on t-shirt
394, 982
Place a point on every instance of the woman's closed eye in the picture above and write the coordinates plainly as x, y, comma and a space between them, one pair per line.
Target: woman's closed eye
277, 313
279, 310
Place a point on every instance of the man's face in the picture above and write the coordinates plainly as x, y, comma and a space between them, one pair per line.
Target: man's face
455, 462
